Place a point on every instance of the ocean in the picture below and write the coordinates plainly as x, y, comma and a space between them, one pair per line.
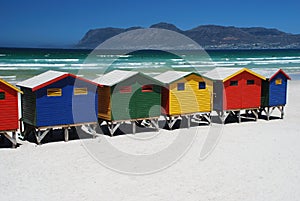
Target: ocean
17, 64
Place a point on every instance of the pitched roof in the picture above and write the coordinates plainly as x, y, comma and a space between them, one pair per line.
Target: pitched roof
225, 74
171, 76
46, 78
10, 85
114, 77
271, 73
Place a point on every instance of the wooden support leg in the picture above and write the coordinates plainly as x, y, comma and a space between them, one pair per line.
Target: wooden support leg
208, 118
14, 137
239, 116
38, 137
282, 112
133, 127
24, 133
66, 132
172, 121
188, 121
222, 117
21, 125
155, 123
255, 114
112, 128
93, 130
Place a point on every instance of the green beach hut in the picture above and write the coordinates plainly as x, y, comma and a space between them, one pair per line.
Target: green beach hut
128, 96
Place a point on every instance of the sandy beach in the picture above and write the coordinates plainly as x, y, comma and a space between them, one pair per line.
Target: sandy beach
251, 161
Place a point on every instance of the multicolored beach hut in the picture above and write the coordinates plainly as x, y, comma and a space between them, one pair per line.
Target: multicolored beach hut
236, 89
9, 116
128, 96
186, 94
273, 91
57, 100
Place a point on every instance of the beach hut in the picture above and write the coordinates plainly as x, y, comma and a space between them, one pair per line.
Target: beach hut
185, 94
273, 91
9, 116
236, 89
57, 100
128, 96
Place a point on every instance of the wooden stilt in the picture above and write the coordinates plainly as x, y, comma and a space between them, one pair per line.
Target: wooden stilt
112, 128
14, 137
38, 137
188, 121
208, 118
221, 115
171, 121
155, 123
268, 113
66, 132
93, 130
282, 112
239, 116
21, 125
255, 114
133, 127
88, 129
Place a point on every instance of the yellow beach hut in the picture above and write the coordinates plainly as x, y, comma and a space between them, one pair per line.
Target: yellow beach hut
186, 94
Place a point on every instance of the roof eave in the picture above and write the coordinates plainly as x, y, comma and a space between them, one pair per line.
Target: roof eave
280, 71
11, 86
242, 70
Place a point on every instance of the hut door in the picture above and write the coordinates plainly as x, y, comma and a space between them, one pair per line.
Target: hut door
233, 88
250, 91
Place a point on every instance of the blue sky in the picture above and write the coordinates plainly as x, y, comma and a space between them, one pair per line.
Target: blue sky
35, 23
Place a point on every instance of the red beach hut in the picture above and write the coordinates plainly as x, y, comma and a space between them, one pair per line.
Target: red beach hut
235, 89
9, 118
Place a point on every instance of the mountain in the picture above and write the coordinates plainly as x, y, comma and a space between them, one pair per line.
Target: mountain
210, 37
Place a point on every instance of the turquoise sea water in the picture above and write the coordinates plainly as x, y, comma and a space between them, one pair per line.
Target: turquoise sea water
17, 64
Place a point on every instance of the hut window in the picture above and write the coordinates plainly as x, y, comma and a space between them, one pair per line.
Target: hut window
180, 86
54, 92
278, 81
234, 83
250, 82
125, 89
80, 91
2, 95
147, 88
202, 85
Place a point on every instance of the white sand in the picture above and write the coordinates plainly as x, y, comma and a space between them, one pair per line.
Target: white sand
252, 161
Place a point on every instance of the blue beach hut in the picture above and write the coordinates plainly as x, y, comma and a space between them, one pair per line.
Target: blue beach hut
273, 91
57, 99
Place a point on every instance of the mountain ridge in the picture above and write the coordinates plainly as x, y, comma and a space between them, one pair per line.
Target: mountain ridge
209, 36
